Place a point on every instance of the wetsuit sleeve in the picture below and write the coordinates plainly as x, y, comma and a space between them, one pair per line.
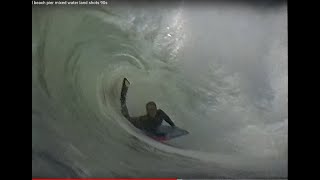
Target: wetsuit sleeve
124, 109
166, 117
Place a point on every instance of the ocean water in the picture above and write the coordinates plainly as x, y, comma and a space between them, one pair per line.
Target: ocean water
218, 70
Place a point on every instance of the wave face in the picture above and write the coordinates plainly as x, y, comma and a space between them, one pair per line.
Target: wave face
219, 71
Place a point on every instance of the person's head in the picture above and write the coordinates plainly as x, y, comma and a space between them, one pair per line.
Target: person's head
151, 108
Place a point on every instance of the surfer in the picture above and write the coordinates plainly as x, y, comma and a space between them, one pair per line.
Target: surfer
149, 122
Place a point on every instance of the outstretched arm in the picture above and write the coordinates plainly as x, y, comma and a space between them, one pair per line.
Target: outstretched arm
166, 118
124, 90
124, 110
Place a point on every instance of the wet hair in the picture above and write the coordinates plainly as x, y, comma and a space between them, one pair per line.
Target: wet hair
151, 103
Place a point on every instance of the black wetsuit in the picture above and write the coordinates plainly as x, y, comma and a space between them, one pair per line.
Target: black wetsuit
145, 122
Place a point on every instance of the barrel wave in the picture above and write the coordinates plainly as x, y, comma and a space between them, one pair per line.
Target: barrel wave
219, 71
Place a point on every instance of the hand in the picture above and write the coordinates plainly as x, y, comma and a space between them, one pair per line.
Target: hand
126, 82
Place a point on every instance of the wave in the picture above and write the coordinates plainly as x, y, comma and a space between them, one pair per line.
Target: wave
233, 104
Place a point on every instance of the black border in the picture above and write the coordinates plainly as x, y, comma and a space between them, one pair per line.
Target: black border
15, 89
